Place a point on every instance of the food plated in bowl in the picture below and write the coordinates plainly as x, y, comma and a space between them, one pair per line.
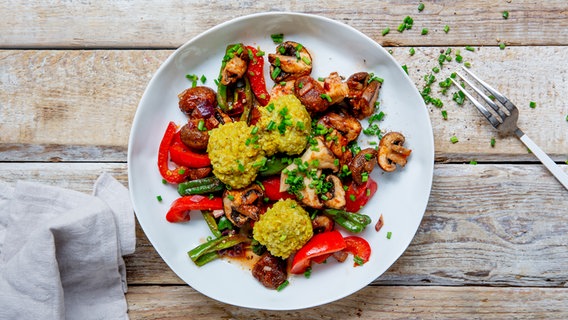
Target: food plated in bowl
403, 111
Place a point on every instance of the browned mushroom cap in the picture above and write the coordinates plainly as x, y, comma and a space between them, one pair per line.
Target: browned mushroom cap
200, 98
311, 94
192, 137
363, 94
290, 62
392, 152
363, 164
242, 204
322, 223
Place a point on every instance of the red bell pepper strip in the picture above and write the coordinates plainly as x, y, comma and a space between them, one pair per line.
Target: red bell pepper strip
178, 174
184, 156
272, 189
359, 248
180, 208
357, 196
320, 244
255, 73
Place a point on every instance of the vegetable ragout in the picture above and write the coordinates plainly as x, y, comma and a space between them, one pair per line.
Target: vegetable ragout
278, 175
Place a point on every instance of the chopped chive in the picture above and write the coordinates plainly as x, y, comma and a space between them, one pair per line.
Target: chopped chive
445, 114
401, 27
473, 162
492, 142
277, 37
181, 171
405, 68
358, 260
159, 198
502, 46
467, 64
411, 51
420, 7
203, 79
470, 48
271, 125
389, 235
532, 104
505, 14
326, 97
446, 28
435, 69
166, 182
352, 197
386, 31
306, 60
201, 125
454, 139
424, 31
275, 72
308, 273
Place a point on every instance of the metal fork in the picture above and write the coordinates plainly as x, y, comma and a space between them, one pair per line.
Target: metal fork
504, 119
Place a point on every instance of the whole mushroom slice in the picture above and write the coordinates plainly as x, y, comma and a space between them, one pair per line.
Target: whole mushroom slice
363, 164
322, 223
291, 61
335, 197
392, 152
242, 205
363, 94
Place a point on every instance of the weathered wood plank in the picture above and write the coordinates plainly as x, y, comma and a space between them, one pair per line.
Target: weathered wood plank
63, 111
168, 24
504, 227
373, 302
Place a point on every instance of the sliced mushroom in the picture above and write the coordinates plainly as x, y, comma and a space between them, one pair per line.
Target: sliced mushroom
322, 223
363, 164
335, 88
347, 125
335, 197
311, 94
235, 67
363, 93
392, 152
322, 155
290, 62
308, 196
242, 204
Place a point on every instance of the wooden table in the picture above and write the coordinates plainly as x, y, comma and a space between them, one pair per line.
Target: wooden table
492, 243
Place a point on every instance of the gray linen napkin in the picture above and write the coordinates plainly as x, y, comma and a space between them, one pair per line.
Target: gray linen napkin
61, 251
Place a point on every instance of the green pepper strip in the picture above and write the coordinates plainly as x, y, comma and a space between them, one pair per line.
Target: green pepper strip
215, 245
352, 222
211, 223
200, 186
221, 88
272, 166
247, 110
206, 258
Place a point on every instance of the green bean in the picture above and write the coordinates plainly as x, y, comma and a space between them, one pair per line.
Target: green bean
200, 186
211, 223
353, 222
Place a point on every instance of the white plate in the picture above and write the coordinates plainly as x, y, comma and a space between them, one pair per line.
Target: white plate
402, 196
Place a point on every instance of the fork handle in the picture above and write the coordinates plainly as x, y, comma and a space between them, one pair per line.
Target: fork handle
544, 158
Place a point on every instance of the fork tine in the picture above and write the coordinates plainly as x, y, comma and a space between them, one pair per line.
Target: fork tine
501, 98
490, 102
494, 122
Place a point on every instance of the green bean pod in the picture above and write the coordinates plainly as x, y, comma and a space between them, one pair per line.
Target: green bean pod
200, 186
352, 222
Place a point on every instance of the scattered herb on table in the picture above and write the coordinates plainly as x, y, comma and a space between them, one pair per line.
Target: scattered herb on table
420, 7
505, 14
454, 139
532, 104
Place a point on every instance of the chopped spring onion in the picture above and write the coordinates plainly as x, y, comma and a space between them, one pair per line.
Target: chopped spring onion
532, 104
445, 114
470, 48
389, 235
420, 6
446, 28
159, 198
277, 37
454, 139
386, 31
411, 51
505, 14
492, 142
424, 31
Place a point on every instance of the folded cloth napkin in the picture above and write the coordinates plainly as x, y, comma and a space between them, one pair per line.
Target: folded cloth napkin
61, 251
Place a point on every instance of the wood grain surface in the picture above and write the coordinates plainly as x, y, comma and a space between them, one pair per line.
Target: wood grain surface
492, 243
